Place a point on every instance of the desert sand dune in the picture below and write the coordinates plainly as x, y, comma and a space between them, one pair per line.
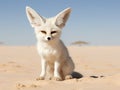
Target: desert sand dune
99, 66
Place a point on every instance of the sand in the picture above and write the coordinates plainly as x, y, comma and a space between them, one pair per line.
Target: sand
97, 67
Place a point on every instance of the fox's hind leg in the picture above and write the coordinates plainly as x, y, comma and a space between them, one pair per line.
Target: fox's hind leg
68, 69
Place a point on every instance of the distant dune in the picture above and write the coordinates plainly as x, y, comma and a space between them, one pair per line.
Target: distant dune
99, 66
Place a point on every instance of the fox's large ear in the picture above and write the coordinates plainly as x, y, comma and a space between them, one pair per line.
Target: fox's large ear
62, 17
34, 18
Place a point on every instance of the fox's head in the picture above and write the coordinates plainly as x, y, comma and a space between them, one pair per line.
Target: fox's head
47, 29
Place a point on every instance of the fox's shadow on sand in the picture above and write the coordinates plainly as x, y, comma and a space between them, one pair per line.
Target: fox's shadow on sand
77, 75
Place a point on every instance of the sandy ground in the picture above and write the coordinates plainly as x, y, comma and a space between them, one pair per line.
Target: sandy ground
99, 67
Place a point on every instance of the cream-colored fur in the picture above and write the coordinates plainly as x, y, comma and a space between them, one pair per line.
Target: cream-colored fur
54, 55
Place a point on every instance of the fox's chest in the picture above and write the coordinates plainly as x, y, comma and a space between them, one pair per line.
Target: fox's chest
49, 53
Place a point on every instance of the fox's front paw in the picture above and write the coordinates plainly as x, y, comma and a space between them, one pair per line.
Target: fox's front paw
57, 78
40, 78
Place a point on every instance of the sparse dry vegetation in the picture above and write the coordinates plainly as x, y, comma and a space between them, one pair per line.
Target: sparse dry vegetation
1, 43
80, 43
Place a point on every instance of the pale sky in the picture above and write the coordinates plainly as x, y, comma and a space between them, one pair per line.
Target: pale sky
93, 21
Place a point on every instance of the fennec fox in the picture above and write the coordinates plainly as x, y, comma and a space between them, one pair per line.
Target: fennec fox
55, 58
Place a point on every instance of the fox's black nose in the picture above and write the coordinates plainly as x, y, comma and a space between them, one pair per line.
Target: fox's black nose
48, 38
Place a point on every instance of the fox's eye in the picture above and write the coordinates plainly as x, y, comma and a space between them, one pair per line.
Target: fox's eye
44, 32
53, 32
